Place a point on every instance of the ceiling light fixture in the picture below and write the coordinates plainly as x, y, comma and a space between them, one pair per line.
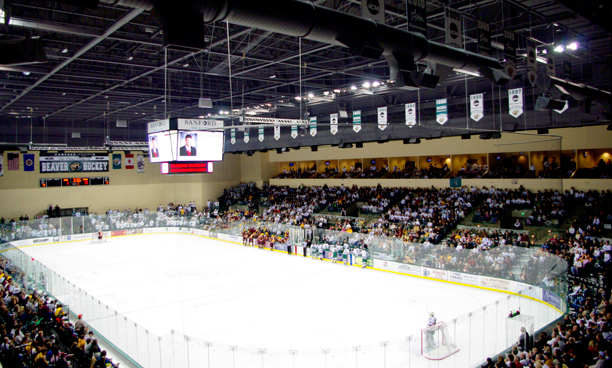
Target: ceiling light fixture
353, 88
559, 48
573, 46
185, 65
366, 85
376, 84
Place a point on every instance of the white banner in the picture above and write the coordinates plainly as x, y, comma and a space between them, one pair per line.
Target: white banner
454, 27
374, 10
411, 118
357, 121
294, 132
261, 134
386, 265
476, 106
441, 111
140, 164
410, 269
199, 124
313, 126
382, 118
494, 283
333, 123
246, 135
532, 64
276, 131
463, 278
233, 136
158, 126
515, 101
435, 273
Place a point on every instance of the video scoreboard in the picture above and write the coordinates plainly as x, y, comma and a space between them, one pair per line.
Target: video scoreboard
72, 182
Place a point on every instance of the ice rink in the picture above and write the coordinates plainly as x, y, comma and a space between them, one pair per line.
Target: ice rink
247, 297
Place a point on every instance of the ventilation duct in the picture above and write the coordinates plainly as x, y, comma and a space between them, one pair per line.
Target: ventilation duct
304, 19
362, 36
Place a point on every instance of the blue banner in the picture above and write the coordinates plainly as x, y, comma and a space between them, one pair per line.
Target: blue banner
28, 162
552, 299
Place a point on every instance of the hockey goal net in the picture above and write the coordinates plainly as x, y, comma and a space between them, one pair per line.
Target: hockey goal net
436, 343
94, 238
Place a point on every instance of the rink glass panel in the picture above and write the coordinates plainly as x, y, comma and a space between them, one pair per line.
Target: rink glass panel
479, 334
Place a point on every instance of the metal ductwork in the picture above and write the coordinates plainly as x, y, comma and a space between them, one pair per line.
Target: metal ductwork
297, 18
363, 37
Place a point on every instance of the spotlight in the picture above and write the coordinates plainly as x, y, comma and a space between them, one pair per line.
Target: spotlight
353, 88
298, 98
573, 46
185, 65
559, 48
366, 85
310, 95
376, 84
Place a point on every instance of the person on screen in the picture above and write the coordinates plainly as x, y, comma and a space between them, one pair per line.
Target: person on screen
187, 149
154, 151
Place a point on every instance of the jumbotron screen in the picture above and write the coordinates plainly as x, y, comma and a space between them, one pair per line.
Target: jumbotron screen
197, 145
162, 146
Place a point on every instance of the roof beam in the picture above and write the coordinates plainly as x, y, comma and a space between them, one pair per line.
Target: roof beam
110, 30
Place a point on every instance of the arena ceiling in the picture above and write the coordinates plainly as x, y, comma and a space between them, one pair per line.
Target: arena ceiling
91, 66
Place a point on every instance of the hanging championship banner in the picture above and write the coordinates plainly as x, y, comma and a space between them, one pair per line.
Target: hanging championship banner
333, 123
294, 132
373, 9
441, 111
261, 134
484, 38
515, 101
510, 53
246, 135
551, 68
276, 131
411, 114
233, 136
313, 126
417, 16
454, 27
532, 64
140, 163
476, 106
382, 118
357, 121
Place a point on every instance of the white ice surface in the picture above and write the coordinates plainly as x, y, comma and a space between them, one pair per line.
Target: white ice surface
247, 297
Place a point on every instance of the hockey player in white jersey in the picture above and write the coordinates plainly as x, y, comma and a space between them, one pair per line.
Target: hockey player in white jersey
364, 258
429, 340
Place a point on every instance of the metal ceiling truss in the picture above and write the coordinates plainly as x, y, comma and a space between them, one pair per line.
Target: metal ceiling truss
108, 63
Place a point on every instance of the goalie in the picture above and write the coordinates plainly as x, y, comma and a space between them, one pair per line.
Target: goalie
429, 335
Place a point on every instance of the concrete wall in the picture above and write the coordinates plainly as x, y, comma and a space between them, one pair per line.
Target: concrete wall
20, 191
